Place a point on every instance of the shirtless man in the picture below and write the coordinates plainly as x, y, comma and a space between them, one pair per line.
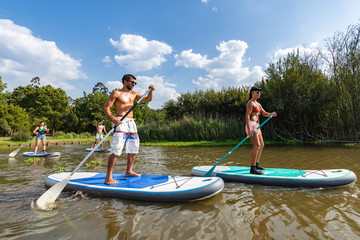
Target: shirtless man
126, 131
99, 135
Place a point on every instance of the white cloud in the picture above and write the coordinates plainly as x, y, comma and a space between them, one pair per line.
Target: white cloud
163, 90
107, 59
282, 53
24, 56
204, 1
136, 53
189, 59
225, 70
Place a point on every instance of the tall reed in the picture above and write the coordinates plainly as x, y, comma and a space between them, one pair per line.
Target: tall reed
192, 129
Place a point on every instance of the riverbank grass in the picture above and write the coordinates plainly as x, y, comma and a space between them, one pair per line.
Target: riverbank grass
6, 142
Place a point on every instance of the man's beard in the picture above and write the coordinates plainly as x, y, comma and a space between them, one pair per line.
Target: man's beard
129, 87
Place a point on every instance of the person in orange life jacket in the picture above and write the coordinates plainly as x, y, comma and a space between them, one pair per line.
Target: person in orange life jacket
40, 133
253, 111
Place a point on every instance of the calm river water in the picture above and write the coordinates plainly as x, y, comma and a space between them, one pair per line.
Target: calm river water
240, 211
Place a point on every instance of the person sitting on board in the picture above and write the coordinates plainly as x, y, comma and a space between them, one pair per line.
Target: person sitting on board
253, 111
99, 133
126, 131
40, 133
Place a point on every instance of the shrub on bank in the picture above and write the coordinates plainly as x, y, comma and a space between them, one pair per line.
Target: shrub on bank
20, 136
84, 135
5, 129
59, 134
72, 135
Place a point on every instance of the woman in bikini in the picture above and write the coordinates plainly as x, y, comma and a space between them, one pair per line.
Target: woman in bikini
253, 111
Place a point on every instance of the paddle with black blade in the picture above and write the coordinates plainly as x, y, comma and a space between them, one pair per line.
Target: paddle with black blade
209, 173
52, 193
13, 154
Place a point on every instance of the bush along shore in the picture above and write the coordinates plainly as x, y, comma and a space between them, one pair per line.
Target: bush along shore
188, 131
60, 138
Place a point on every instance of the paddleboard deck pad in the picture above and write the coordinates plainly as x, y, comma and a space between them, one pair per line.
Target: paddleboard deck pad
160, 188
282, 176
99, 150
40, 154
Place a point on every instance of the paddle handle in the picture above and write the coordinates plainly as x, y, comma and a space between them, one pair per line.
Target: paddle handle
208, 174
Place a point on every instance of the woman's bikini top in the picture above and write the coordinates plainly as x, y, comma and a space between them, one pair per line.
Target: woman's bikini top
256, 109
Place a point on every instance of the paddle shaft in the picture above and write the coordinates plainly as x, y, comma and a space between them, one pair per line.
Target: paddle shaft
52, 193
12, 154
208, 174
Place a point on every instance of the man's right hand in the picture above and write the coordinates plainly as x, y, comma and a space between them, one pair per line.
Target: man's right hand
117, 122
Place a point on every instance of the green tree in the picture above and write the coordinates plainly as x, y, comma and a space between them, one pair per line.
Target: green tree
13, 118
70, 120
229, 102
5, 129
344, 72
2, 85
89, 111
16, 117
43, 102
101, 88
35, 82
300, 93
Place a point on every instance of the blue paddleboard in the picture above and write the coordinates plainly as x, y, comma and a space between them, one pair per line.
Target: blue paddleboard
40, 154
160, 188
98, 150
282, 176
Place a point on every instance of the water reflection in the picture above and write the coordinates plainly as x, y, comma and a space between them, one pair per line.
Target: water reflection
261, 217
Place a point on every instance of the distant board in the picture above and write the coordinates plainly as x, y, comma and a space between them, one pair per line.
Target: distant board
99, 150
40, 154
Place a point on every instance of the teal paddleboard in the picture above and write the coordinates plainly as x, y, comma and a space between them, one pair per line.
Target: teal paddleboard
282, 176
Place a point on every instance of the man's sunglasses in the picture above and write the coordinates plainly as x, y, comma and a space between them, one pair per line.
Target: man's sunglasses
133, 82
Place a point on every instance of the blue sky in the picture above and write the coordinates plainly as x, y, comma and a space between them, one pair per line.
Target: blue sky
177, 45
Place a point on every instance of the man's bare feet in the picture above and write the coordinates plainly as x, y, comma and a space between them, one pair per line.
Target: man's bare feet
111, 181
132, 174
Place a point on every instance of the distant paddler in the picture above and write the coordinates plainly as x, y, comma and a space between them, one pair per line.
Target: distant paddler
40, 133
99, 133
